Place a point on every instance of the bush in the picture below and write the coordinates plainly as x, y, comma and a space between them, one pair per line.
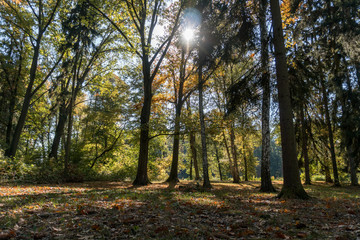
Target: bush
14, 169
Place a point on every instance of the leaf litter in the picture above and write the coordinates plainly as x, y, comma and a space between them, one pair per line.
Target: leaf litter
116, 210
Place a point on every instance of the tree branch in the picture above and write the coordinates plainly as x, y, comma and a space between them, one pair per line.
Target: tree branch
116, 27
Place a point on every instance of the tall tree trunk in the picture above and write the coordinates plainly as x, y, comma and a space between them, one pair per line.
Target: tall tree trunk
330, 132
67, 157
206, 183
192, 140
266, 184
43, 148
236, 177
63, 114
9, 126
292, 187
42, 25
328, 178
228, 154
179, 103
142, 175
218, 160
353, 166
194, 154
11, 151
305, 146
245, 164
349, 138
175, 157
191, 164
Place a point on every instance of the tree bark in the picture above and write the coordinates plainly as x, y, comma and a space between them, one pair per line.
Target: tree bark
304, 145
218, 161
228, 154
59, 131
266, 184
175, 157
349, 138
191, 164
353, 166
292, 187
328, 178
178, 107
67, 157
11, 151
142, 175
194, 155
246, 178
236, 177
192, 140
9, 126
206, 180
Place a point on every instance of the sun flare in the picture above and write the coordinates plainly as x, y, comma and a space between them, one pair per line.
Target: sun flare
188, 34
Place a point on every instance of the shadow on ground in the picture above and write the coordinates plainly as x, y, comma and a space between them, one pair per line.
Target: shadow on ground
115, 210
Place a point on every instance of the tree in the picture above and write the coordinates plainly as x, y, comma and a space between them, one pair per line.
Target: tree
144, 16
292, 187
182, 91
14, 48
266, 185
80, 31
192, 142
304, 145
43, 18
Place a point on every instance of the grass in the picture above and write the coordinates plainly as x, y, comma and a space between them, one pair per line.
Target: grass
116, 210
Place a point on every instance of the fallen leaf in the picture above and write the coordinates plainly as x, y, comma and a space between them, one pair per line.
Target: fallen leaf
301, 235
281, 235
300, 225
95, 227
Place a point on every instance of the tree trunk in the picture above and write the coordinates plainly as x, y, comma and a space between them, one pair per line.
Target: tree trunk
179, 103
191, 164
194, 154
9, 126
175, 157
218, 161
292, 187
206, 183
142, 175
245, 165
192, 140
228, 154
353, 166
327, 175
305, 146
70, 126
349, 138
236, 178
330, 132
266, 184
11, 151
59, 131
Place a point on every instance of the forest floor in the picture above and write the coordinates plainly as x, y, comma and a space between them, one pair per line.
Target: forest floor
116, 210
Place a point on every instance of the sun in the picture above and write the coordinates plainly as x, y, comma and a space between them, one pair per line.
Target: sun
188, 34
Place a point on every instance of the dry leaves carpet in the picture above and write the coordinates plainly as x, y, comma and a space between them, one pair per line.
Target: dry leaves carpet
115, 210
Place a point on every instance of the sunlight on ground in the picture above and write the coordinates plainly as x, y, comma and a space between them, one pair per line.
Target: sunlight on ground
228, 210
